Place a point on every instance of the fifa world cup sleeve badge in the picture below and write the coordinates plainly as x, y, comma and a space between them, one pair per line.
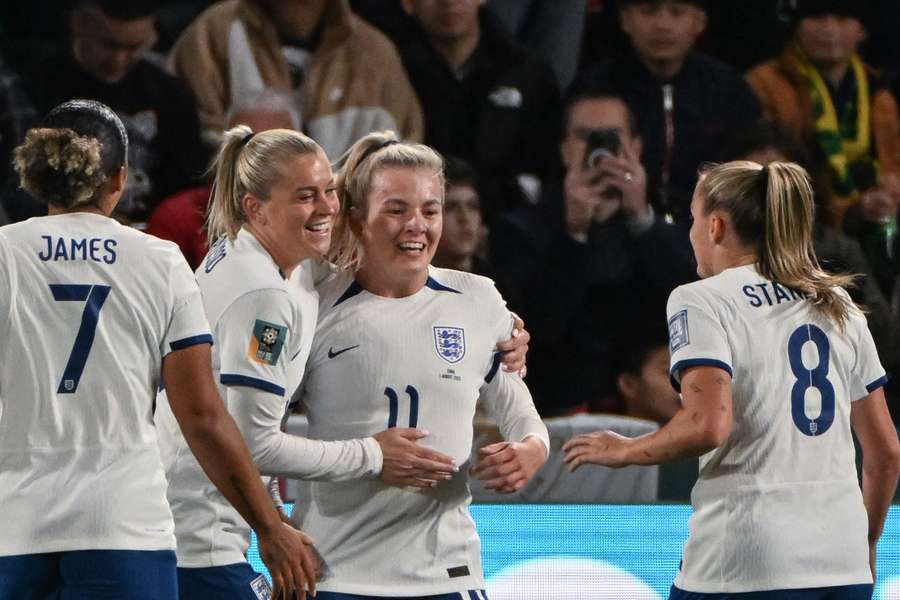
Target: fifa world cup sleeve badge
267, 342
679, 336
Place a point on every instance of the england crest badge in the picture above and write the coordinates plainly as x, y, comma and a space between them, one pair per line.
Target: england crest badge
450, 343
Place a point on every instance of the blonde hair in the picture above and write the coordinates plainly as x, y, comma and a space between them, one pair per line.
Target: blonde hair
249, 163
60, 167
772, 209
356, 169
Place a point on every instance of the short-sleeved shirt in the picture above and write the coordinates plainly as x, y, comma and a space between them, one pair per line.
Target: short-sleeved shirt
263, 326
777, 505
88, 310
419, 361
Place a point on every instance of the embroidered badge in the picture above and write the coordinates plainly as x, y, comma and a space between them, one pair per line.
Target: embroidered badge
450, 343
679, 336
267, 342
261, 588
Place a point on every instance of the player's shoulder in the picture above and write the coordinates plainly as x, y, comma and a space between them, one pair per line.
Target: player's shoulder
335, 288
715, 291
461, 282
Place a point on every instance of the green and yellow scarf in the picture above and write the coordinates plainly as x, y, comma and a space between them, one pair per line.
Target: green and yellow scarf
842, 141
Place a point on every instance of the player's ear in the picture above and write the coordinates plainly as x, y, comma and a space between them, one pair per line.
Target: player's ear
717, 227
253, 209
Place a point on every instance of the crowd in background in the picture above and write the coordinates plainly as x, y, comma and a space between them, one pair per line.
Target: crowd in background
573, 131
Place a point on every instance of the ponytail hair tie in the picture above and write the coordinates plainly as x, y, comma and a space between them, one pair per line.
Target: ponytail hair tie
375, 149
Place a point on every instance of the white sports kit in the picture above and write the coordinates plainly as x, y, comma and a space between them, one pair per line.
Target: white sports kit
420, 361
96, 306
263, 326
778, 505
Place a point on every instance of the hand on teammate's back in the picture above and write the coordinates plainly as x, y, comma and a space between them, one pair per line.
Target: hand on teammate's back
278, 550
506, 467
407, 463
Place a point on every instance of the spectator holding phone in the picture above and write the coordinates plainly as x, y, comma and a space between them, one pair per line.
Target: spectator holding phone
594, 240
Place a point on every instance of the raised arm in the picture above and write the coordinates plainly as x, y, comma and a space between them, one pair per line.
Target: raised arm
215, 440
872, 425
703, 424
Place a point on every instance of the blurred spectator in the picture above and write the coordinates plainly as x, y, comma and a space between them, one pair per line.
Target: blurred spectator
485, 99
346, 76
767, 142
685, 102
552, 29
744, 33
463, 235
106, 62
640, 369
873, 222
590, 254
16, 116
820, 89
181, 218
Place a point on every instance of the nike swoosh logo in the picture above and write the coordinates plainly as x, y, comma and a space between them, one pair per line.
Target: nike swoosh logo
332, 353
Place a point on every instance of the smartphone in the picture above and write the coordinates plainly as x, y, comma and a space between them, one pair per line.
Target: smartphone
601, 143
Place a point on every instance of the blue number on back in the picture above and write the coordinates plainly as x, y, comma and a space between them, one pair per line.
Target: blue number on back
95, 296
807, 378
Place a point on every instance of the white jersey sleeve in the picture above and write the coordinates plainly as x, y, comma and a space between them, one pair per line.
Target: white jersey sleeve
696, 335
259, 414
188, 324
868, 374
505, 396
257, 339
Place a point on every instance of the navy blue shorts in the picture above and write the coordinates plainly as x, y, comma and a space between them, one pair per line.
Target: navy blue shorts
90, 575
468, 595
229, 582
844, 592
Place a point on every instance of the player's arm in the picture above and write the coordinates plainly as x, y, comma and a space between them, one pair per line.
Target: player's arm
872, 425
703, 424
507, 466
256, 398
216, 442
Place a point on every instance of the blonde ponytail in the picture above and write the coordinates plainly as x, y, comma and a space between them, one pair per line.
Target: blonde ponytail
772, 209
248, 163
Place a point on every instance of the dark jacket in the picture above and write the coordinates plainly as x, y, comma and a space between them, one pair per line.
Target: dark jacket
710, 100
501, 114
165, 153
573, 296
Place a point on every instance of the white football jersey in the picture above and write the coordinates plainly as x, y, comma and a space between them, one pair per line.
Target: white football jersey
262, 326
420, 361
88, 310
778, 505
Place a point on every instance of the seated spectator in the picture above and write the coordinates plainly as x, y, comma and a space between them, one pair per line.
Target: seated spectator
640, 369
552, 29
686, 103
105, 62
486, 100
822, 91
767, 142
591, 253
181, 218
346, 76
16, 116
461, 244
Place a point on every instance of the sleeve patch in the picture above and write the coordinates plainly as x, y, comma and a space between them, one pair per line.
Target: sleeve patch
679, 337
267, 342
